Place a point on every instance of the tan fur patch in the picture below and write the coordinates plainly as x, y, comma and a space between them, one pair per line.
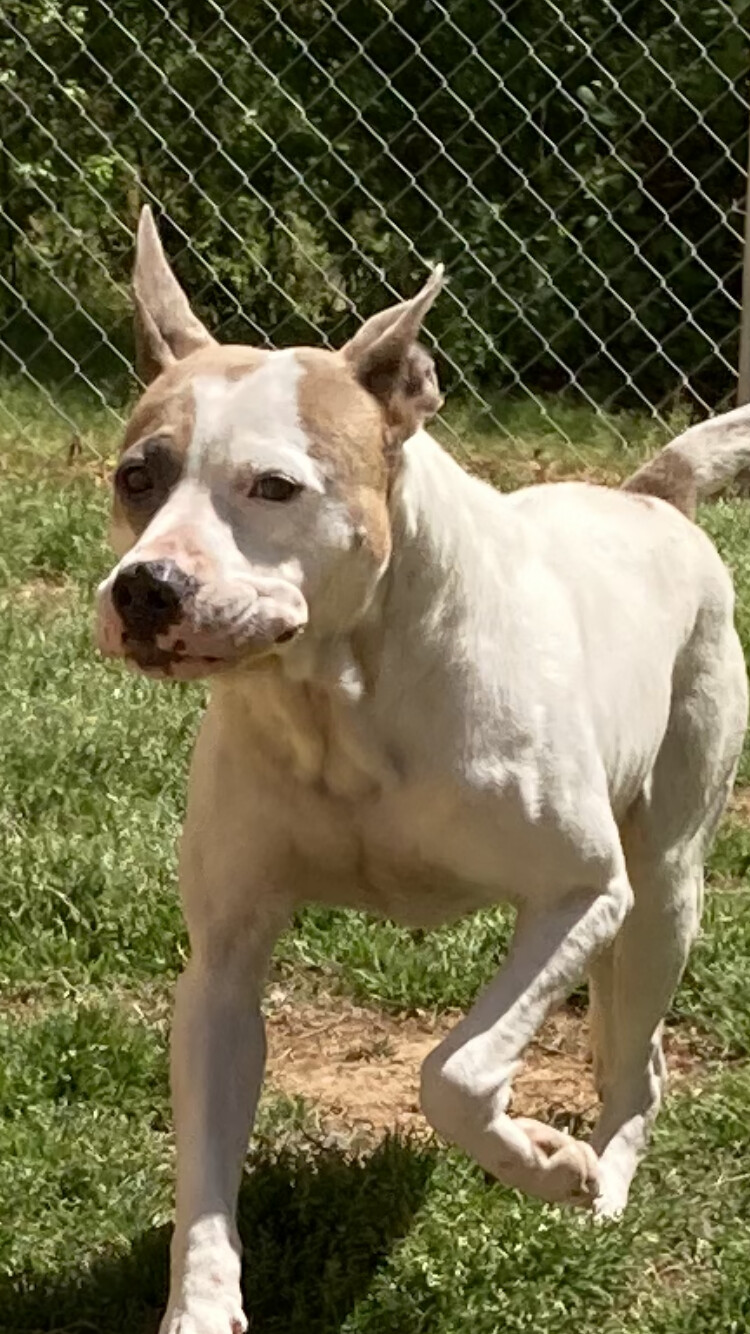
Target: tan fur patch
343, 421
669, 477
168, 404
345, 427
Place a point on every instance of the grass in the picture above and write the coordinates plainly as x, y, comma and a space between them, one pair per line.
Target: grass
410, 1237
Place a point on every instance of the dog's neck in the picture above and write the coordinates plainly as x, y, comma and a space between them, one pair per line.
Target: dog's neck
315, 712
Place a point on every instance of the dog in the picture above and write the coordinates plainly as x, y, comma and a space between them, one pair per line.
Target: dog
427, 697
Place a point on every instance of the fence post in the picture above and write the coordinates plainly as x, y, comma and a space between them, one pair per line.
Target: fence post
743, 367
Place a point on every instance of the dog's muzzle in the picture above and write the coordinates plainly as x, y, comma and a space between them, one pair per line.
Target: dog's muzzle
163, 622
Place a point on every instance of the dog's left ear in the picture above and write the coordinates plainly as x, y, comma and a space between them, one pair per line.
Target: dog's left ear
166, 330
389, 363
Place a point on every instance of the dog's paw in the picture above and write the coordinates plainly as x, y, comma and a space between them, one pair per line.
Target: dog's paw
610, 1203
204, 1317
568, 1168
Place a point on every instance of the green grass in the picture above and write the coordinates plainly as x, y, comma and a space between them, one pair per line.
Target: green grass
409, 1238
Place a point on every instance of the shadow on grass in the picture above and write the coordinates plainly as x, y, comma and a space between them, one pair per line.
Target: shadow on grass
316, 1226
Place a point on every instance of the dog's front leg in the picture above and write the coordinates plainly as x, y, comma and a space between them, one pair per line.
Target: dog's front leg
218, 1057
234, 910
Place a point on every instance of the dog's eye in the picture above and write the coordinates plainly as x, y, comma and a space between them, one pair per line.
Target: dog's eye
135, 480
274, 486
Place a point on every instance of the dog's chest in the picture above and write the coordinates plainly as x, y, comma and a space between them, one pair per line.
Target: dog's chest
430, 851
418, 849
403, 827
365, 831
418, 855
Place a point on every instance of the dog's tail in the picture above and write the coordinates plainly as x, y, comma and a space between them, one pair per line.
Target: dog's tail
701, 462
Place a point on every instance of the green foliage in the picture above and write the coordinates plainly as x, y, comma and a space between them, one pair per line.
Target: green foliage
552, 166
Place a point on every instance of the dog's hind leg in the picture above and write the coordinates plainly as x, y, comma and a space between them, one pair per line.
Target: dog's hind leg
466, 1081
632, 984
666, 837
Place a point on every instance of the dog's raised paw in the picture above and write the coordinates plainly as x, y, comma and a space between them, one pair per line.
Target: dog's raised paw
570, 1167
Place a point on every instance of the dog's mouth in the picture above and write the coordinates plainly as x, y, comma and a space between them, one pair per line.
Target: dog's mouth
176, 664
145, 656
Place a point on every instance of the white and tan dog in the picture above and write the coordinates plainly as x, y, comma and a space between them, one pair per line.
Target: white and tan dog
427, 697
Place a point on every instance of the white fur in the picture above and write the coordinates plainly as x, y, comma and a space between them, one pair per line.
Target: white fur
253, 420
555, 711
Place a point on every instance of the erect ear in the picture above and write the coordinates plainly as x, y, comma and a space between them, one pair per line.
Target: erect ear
388, 362
166, 330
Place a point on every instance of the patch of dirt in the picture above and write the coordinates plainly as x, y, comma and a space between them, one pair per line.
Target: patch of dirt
360, 1067
44, 592
357, 1069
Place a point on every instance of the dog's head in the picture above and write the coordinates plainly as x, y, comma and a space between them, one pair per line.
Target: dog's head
251, 495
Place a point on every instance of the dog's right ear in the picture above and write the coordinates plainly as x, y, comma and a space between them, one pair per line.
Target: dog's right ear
166, 330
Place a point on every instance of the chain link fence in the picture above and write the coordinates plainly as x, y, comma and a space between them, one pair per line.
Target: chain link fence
580, 168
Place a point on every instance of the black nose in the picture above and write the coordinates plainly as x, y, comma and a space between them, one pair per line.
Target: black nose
148, 596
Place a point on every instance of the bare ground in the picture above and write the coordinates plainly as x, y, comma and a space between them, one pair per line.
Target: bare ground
360, 1067
357, 1068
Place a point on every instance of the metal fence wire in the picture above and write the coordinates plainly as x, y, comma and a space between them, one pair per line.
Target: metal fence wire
579, 166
